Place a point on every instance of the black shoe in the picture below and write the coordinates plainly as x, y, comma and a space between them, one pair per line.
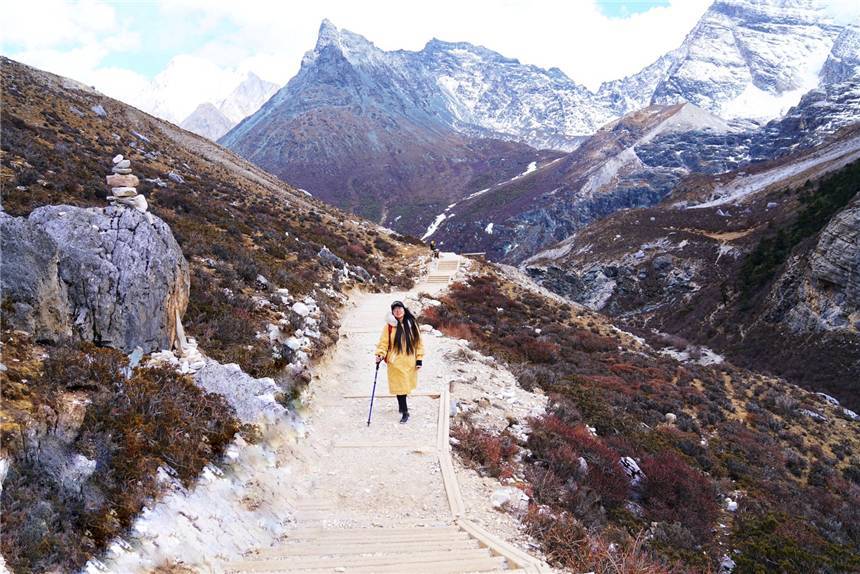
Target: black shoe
404, 418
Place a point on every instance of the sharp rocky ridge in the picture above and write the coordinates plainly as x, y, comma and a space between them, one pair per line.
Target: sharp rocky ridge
744, 59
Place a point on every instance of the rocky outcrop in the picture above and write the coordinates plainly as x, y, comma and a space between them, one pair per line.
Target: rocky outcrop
829, 293
635, 162
102, 275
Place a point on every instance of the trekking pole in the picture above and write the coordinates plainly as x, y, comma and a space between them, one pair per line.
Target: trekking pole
372, 394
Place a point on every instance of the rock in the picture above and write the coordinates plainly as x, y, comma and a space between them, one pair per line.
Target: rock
124, 191
330, 258
128, 300
117, 159
121, 170
117, 180
671, 418
29, 280
425, 328
301, 309
175, 177
634, 473
252, 398
731, 505
123, 164
360, 272
138, 202
500, 497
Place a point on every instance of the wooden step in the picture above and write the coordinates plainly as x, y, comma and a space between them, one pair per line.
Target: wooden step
252, 565
325, 548
296, 532
357, 537
436, 567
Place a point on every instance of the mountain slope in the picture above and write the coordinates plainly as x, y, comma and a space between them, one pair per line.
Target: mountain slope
356, 129
635, 161
744, 58
757, 264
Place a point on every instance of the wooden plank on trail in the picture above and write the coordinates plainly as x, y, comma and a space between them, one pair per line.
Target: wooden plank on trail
421, 447
387, 396
517, 557
253, 564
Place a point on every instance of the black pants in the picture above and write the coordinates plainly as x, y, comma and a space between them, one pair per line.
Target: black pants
401, 404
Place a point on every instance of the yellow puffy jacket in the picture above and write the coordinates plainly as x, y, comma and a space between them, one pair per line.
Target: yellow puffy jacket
402, 368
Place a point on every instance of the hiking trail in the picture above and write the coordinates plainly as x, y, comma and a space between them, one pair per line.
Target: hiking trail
320, 491
384, 497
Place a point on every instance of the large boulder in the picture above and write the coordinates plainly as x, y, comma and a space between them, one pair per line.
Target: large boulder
121, 280
34, 298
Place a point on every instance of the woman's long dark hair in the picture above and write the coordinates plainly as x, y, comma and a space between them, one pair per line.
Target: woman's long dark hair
406, 329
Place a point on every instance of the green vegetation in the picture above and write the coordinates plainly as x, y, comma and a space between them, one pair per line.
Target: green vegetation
820, 202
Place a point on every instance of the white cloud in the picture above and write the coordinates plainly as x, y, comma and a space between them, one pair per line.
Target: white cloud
573, 36
844, 11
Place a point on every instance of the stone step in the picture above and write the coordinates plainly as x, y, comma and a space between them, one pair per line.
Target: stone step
250, 564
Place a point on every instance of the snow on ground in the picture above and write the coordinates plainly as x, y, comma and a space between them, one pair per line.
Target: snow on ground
489, 228
688, 118
532, 167
229, 509
741, 187
701, 355
434, 226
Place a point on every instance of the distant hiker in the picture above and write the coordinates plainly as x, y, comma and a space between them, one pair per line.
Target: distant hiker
433, 250
401, 348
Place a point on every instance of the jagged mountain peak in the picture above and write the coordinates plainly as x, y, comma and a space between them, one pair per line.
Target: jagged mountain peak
346, 42
435, 46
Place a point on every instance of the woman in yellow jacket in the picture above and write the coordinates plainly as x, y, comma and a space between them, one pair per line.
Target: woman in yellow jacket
401, 348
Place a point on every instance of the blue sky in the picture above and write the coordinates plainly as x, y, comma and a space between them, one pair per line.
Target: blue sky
623, 9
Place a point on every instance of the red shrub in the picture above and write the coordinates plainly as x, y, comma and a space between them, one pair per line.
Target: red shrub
675, 492
540, 351
562, 445
493, 453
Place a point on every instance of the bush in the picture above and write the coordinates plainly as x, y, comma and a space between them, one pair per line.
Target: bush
479, 448
775, 542
672, 491
566, 544
130, 429
561, 446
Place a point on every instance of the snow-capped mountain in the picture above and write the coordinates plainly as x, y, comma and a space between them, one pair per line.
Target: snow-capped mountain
247, 97
185, 83
844, 59
211, 121
363, 129
634, 162
208, 121
743, 59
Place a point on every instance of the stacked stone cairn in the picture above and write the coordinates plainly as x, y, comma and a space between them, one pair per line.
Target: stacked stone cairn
123, 187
